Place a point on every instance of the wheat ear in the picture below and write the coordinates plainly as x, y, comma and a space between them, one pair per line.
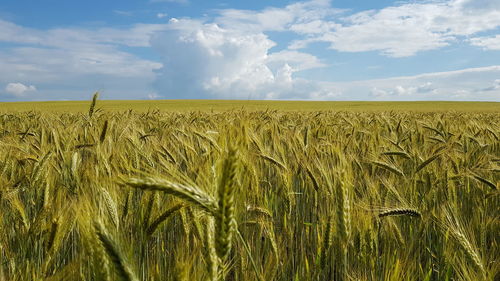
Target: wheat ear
225, 222
114, 255
400, 212
189, 193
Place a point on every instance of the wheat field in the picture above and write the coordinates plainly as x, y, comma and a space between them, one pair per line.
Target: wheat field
186, 106
249, 195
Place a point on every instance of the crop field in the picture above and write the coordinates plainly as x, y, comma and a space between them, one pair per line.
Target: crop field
251, 105
250, 194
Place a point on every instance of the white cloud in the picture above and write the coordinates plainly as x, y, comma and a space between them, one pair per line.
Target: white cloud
495, 86
466, 84
161, 15
488, 43
232, 57
399, 91
206, 60
123, 13
278, 19
153, 96
68, 63
297, 60
138, 35
479, 4
19, 89
402, 30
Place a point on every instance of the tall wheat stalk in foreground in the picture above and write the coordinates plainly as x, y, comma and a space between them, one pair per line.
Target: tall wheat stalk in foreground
222, 209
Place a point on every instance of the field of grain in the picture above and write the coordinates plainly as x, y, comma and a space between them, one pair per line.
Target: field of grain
251, 105
249, 195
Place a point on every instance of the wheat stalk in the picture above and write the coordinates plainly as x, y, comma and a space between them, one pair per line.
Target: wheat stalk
343, 211
111, 207
189, 193
225, 222
114, 255
389, 168
161, 218
213, 261
427, 162
457, 230
273, 161
93, 103
104, 131
400, 212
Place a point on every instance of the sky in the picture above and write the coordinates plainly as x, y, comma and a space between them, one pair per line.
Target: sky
289, 50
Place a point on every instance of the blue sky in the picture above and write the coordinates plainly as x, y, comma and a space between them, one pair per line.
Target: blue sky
303, 50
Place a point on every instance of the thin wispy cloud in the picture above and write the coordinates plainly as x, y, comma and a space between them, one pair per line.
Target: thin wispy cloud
161, 15
487, 43
123, 13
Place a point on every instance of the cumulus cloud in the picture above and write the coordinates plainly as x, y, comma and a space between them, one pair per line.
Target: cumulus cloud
298, 60
209, 61
19, 89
